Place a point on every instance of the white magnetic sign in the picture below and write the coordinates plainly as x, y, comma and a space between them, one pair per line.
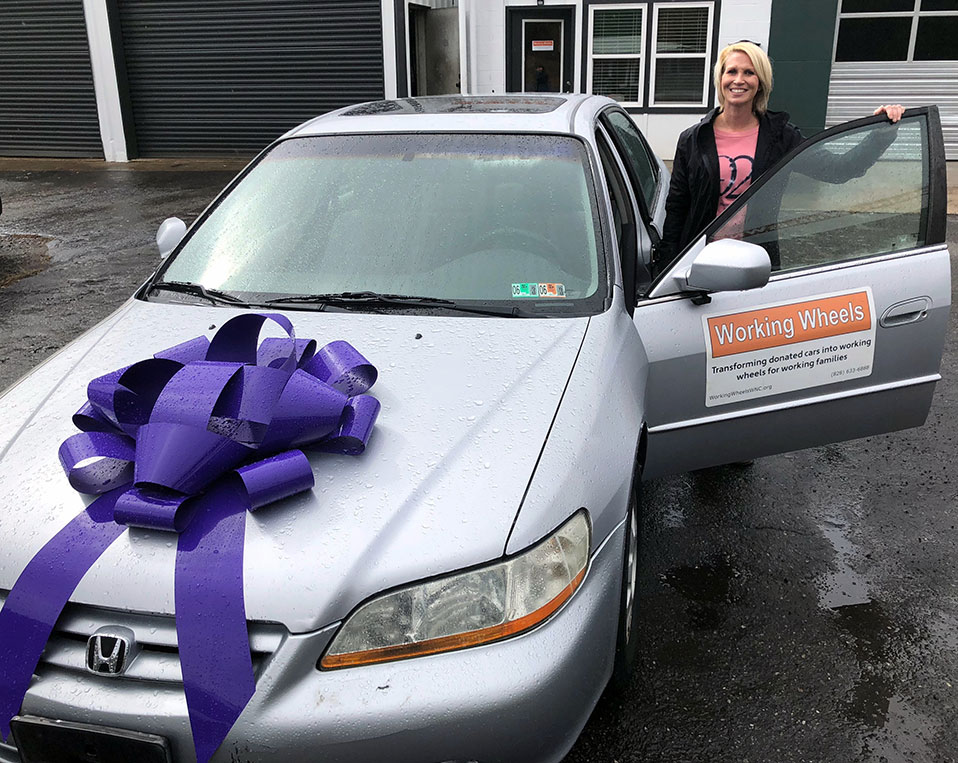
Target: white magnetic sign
788, 346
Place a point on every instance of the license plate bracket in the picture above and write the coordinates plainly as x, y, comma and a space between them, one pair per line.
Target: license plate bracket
44, 740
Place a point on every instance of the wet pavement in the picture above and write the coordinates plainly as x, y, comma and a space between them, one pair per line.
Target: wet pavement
801, 609
85, 231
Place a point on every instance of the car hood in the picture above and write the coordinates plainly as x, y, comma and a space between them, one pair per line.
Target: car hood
466, 407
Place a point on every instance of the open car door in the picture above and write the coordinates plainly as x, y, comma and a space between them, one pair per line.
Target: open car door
844, 340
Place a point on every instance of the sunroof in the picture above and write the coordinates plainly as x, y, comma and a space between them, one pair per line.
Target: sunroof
456, 104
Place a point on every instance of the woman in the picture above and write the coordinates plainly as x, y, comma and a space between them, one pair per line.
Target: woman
717, 159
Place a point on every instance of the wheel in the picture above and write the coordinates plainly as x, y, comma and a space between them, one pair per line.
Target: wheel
626, 648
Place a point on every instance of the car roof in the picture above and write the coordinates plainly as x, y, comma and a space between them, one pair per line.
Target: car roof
521, 112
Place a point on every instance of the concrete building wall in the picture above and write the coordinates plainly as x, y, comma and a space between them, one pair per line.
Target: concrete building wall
745, 20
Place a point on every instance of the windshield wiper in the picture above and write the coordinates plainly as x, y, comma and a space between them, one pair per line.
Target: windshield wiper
353, 297
375, 299
198, 290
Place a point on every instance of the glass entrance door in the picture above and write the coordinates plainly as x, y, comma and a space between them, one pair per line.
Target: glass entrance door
542, 64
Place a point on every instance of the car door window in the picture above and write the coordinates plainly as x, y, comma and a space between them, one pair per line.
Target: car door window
856, 194
621, 217
638, 160
625, 220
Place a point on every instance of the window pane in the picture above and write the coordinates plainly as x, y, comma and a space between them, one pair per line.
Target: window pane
617, 31
679, 80
877, 6
873, 39
682, 30
939, 5
635, 154
617, 78
617, 193
860, 193
937, 39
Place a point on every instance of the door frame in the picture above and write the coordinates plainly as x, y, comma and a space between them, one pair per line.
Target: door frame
415, 46
515, 53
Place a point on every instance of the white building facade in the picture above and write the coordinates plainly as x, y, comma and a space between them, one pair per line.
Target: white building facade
126, 79
654, 57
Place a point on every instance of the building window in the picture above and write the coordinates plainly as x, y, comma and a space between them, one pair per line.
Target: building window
678, 68
615, 52
897, 30
682, 42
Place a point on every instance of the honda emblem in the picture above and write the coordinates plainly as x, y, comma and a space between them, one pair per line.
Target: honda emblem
110, 650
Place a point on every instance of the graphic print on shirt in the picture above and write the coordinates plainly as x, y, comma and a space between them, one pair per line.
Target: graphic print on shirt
736, 176
735, 152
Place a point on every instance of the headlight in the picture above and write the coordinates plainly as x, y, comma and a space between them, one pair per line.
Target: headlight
468, 608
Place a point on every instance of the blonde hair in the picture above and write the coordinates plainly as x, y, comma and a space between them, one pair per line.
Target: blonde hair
761, 64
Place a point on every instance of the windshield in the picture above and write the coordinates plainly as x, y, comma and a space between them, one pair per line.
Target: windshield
448, 216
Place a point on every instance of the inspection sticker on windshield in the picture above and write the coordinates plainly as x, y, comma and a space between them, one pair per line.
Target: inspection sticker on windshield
787, 346
523, 290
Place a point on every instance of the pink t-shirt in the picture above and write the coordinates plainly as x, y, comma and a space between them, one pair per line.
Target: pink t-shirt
736, 152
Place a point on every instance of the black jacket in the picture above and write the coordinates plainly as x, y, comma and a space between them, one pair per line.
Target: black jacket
694, 192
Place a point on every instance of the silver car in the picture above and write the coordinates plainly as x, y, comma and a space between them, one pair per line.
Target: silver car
464, 589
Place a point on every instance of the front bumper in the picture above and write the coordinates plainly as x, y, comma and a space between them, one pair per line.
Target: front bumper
523, 700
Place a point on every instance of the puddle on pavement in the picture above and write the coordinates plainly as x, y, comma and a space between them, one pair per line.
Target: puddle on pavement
871, 630
22, 255
843, 586
893, 730
906, 735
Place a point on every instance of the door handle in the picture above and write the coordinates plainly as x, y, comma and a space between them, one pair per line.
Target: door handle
909, 311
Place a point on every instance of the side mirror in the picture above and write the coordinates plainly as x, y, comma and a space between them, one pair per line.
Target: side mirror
169, 234
729, 265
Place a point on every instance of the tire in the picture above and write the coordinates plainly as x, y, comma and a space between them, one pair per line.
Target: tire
626, 647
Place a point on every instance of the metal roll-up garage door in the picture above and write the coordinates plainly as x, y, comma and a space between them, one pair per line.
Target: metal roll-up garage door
856, 88
221, 78
47, 101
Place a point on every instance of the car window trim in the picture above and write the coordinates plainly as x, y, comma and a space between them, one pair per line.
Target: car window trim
604, 116
645, 212
623, 179
606, 223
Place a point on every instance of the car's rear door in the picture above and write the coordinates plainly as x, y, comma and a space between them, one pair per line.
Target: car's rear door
845, 339
627, 157
647, 173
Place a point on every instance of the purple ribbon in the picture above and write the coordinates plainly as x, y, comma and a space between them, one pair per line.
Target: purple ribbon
188, 442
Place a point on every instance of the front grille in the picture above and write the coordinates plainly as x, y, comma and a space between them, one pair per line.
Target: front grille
158, 659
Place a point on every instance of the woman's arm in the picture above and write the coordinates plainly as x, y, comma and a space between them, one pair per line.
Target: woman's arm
830, 167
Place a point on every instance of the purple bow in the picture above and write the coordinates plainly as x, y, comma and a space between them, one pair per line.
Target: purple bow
187, 442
